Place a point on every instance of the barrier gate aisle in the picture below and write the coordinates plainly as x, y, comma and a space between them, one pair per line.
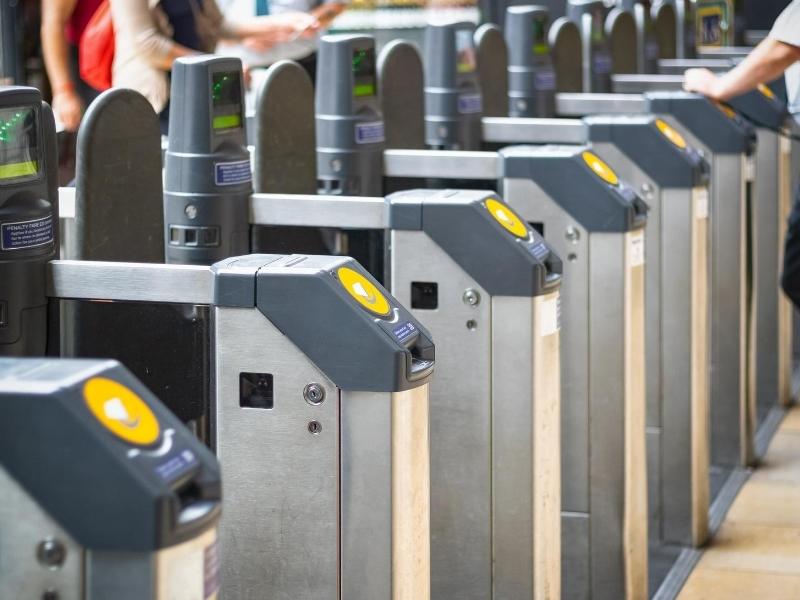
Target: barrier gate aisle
501, 325
625, 525
345, 465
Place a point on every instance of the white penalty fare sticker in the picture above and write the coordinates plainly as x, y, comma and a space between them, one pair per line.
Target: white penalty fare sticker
550, 316
701, 203
636, 249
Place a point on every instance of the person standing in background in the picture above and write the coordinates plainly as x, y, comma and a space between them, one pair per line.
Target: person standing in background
301, 48
777, 55
63, 22
151, 34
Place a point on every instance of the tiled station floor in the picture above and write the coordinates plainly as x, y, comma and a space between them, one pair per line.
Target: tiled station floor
756, 552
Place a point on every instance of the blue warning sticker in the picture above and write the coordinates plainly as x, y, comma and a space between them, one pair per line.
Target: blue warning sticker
470, 103
404, 331
371, 132
601, 63
545, 80
232, 173
176, 465
27, 234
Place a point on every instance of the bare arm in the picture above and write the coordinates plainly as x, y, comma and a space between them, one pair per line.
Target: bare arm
66, 103
765, 63
133, 19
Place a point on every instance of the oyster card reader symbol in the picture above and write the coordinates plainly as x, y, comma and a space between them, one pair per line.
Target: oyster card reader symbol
359, 289
115, 410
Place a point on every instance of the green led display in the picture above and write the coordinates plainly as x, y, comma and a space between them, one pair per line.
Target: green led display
19, 151
364, 80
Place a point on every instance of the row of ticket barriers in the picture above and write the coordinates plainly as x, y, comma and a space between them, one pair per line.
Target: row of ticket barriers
612, 350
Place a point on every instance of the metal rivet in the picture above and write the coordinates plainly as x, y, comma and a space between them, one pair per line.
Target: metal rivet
314, 427
50, 595
336, 165
572, 234
314, 394
191, 211
572, 257
51, 553
472, 324
471, 297
522, 105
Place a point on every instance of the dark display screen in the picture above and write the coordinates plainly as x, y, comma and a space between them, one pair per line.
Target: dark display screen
19, 143
364, 80
540, 37
466, 62
226, 100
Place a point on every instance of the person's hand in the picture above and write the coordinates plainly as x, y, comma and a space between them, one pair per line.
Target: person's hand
701, 81
68, 108
284, 27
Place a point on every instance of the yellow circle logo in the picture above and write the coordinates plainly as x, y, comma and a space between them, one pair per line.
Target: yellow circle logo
766, 91
507, 218
672, 135
601, 169
121, 411
364, 291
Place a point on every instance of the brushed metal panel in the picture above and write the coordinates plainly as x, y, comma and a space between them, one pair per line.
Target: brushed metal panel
460, 416
440, 163
133, 282
684, 493
571, 105
769, 230
366, 495
533, 205
279, 533
534, 131
346, 212
24, 524
526, 428
607, 398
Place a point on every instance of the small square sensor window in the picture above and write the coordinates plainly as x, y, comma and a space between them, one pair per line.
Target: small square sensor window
255, 390
424, 295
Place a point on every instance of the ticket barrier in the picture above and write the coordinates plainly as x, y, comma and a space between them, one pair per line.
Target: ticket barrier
356, 503
494, 520
481, 302
592, 539
596, 58
770, 209
105, 493
728, 143
665, 26
647, 42
673, 180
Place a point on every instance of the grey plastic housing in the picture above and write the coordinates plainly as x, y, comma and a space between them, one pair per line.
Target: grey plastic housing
531, 76
760, 110
207, 174
27, 203
562, 174
301, 295
453, 102
589, 16
459, 222
722, 134
638, 137
105, 492
350, 134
